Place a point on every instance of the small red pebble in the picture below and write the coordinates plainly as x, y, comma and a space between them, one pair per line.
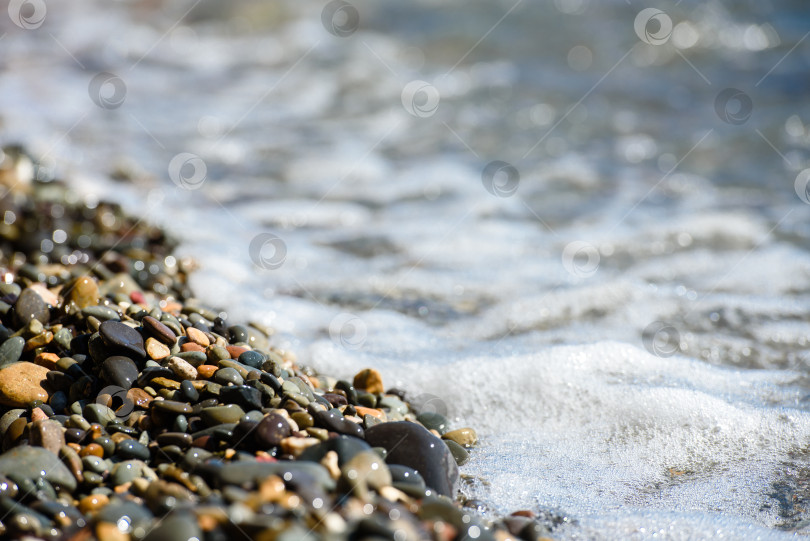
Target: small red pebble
137, 297
261, 458
191, 346
235, 351
523, 513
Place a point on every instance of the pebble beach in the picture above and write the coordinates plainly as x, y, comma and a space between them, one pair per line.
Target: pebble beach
558, 248
130, 411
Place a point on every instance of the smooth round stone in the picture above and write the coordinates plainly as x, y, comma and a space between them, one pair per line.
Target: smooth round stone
9, 417
63, 337
128, 449
348, 388
173, 407
394, 405
303, 419
414, 446
188, 391
11, 350
21, 383
95, 464
248, 398
158, 330
98, 413
254, 415
218, 353
119, 371
238, 333
176, 526
122, 337
182, 368
336, 423
434, 421
195, 456
251, 472
102, 313
84, 292
346, 448
47, 434
459, 453
370, 380
466, 437
34, 463
226, 376
106, 443
198, 337
405, 475
194, 358
271, 430
365, 470
133, 513
179, 439
254, 359
217, 415
30, 305
180, 424
156, 349
92, 503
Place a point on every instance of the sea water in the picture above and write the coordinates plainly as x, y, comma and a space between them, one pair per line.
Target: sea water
579, 227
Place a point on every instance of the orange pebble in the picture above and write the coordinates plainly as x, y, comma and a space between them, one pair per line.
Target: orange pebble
92, 449
37, 415
48, 360
191, 346
93, 503
235, 351
205, 371
370, 411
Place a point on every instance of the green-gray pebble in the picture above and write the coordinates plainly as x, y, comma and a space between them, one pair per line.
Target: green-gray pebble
11, 350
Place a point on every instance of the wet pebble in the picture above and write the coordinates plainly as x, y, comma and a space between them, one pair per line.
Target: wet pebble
413, 445
271, 430
11, 350
122, 337
332, 420
30, 305
158, 330
217, 415
119, 371
22, 383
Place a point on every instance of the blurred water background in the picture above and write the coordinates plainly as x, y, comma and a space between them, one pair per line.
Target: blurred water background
578, 226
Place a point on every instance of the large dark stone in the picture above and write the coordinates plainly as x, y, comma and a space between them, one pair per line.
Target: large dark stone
120, 371
121, 337
30, 306
271, 430
334, 421
414, 446
346, 448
